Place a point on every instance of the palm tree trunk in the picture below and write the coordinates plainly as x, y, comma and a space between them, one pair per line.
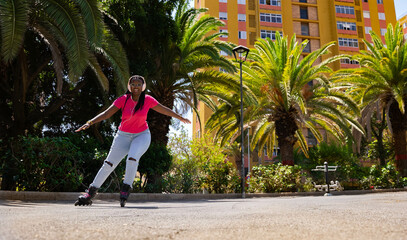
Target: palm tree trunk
160, 124
398, 123
285, 131
20, 72
380, 127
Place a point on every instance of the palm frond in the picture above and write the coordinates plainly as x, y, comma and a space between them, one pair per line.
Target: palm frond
68, 19
13, 25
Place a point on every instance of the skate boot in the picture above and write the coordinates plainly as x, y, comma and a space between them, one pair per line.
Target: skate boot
86, 199
124, 194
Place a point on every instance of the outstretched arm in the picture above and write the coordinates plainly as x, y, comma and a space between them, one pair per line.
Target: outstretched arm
100, 117
166, 111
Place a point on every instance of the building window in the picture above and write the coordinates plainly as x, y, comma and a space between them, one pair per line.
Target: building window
383, 31
269, 17
366, 14
348, 42
241, 17
379, 1
271, 2
305, 29
311, 139
223, 31
241, 2
303, 12
404, 25
365, 0
242, 35
223, 1
223, 16
307, 48
368, 29
303, 1
346, 26
348, 61
382, 16
345, 9
268, 34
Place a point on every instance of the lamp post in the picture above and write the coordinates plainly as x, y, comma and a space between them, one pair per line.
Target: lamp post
240, 53
248, 149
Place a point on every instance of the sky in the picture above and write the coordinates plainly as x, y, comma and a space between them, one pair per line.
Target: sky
401, 8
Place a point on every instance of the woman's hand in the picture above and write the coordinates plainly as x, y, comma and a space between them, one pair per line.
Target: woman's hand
185, 120
84, 126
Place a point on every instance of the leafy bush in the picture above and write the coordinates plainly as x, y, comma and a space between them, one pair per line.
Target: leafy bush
278, 178
200, 165
44, 164
183, 176
57, 163
153, 164
335, 155
217, 175
383, 177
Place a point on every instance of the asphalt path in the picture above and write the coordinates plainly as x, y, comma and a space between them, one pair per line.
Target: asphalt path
368, 216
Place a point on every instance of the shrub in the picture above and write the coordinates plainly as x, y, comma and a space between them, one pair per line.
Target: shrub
335, 155
383, 177
200, 165
278, 178
153, 164
44, 164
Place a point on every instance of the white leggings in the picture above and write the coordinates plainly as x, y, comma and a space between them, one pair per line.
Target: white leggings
134, 145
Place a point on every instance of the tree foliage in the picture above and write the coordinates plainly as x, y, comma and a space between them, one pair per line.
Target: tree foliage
380, 85
53, 43
279, 99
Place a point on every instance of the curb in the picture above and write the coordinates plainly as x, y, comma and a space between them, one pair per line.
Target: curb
72, 196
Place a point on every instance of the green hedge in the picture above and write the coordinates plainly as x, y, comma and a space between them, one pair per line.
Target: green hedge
43, 164
278, 178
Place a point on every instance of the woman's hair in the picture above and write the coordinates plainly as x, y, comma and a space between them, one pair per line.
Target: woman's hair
142, 97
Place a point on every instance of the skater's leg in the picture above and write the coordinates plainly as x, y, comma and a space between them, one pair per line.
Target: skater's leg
118, 150
138, 147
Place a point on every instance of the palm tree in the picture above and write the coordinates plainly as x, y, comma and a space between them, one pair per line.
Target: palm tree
280, 99
381, 85
69, 35
186, 65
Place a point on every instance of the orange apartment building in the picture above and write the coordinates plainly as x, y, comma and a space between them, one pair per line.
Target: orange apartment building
347, 22
403, 23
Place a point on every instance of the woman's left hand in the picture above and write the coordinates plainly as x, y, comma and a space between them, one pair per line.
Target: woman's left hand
185, 120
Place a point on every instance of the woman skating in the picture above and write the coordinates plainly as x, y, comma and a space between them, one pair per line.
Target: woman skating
132, 138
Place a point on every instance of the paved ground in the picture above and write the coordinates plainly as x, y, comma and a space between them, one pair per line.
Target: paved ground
369, 216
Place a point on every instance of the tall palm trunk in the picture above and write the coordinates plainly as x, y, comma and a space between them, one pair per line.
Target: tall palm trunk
398, 123
285, 131
380, 139
159, 124
20, 79
19, 74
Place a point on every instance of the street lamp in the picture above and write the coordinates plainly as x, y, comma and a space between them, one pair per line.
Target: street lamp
248, 149
240, 53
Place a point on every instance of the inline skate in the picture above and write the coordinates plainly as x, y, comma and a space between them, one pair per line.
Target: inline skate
124, 194
86, 198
